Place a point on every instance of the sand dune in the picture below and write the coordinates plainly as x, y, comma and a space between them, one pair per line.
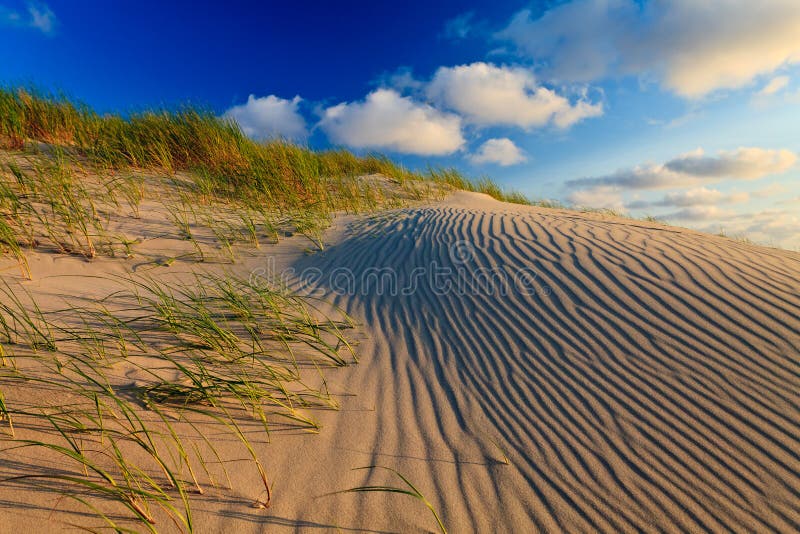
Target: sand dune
649, 382
638, 378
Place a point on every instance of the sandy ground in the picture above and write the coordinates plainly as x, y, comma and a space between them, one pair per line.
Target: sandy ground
529, 370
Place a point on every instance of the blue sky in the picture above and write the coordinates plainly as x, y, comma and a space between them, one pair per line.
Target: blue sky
681, 109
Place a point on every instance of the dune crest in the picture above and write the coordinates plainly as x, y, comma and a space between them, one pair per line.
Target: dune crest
648, 382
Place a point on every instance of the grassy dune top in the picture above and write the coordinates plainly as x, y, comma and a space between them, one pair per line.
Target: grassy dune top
225, 161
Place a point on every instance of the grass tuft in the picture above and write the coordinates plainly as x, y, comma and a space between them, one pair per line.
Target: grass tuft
409, 490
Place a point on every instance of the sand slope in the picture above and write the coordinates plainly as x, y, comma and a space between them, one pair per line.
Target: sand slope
650, 383
646, 379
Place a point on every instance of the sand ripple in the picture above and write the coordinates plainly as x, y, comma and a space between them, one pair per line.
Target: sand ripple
650, 381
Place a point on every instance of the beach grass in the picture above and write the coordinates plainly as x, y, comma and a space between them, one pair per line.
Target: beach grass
409, 489
216, 348
225, 161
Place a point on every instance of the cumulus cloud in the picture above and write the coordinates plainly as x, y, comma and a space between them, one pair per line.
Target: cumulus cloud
775, 226
486, 95
698, 213
270, 116
402, 79
639, 177
501, 151
597, 197
699, 196
783, 226
691, 47
699, 206
693, 197
746, 163
41, 17
388, 120
575, 41
37, 15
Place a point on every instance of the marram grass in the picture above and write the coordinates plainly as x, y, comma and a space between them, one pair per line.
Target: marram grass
194, 139
237, 350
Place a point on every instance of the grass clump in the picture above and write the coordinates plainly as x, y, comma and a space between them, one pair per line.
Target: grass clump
29, 114
409, 490
215, 348
455, 179
9, 242
51, 201
24, 322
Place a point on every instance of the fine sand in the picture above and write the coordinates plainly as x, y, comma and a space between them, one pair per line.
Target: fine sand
527, 369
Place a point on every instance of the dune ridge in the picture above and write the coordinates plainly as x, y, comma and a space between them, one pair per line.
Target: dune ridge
650, 383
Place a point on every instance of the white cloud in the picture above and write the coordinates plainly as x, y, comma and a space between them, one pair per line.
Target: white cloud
39, 16
743, 163
775, 85
781, 226
597, 197
402, 79
486, 95
576, 41
502, 151
699, 196
42, 17
692, 197
698, 213
387, 120
746, 163
702, 207
692, 47
775, 227
269, 116
639, 177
